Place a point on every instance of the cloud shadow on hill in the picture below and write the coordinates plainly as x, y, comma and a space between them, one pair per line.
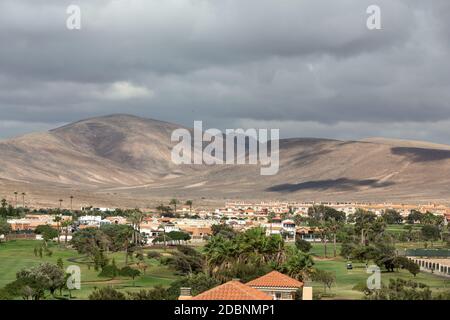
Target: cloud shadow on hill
342, 184
421, 154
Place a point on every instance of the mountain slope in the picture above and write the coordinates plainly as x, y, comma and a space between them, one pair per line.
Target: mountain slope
111, 150
129, 157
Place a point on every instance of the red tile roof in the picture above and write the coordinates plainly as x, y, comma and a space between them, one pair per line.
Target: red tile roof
232, 290
275, 279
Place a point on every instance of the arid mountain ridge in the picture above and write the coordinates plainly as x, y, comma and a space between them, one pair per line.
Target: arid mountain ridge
123, 160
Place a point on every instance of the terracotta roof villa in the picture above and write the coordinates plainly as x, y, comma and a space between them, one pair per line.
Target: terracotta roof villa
278, 285
233, 290
275, 279
272, 286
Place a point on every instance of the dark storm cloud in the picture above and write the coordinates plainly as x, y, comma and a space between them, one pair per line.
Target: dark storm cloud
305, 64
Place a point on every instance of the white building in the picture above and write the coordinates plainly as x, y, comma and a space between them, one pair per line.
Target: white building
95, 221
285, 228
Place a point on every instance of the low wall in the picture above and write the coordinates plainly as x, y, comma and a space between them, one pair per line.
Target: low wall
439, 267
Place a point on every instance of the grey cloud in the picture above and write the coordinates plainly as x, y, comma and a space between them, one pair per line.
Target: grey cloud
229, 62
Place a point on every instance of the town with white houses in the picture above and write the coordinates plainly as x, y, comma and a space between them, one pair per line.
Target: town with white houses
288, 239
276, 217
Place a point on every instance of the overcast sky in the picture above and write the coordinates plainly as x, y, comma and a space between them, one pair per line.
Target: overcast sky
308, 67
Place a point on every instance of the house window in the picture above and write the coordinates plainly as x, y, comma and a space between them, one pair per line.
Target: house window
277, 296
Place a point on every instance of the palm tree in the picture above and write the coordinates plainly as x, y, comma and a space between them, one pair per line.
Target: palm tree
252, 247
161, 226
255, 246
60, 203
136, 219
189, 203
23, 199
220, 254
66, 224
333, 225
363, 222
298, 264
174, 202
127, 235
160, 208
71, 199
15, 197
58, 219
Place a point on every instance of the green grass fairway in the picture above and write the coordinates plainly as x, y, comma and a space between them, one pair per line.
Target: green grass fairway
347, 279
318, 249
15, 255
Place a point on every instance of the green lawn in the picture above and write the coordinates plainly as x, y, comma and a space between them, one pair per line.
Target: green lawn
398, 228
19, 254
318, 249
347, 279
15, 255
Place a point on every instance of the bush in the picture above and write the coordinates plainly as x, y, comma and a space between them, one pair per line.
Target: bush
109, 271
317, 296
157, 293
185, 260
198, 283
399, 289
106, 293
13, 289
303, 245
362, 287
443, 295
47, 232
347, 249
153, 255
430, 232
299, 294
129, 272
327, 278
5, 295
35, 281
446, 238
5, 227
100, 260
188, 251
405, 263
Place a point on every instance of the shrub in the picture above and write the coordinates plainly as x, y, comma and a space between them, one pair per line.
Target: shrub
362, 287
303, 245
129, 272
399, 289
327, 278
109, 271
157, 293
443, 295
5, 295
106, 293
47, 232
153, 255
198, 283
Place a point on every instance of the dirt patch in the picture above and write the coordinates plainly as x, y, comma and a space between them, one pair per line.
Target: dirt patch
109, 281
324, 259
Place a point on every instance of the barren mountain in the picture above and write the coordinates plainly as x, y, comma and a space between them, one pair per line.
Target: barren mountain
123, 160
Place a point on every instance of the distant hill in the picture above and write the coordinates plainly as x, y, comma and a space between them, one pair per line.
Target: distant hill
125, 160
